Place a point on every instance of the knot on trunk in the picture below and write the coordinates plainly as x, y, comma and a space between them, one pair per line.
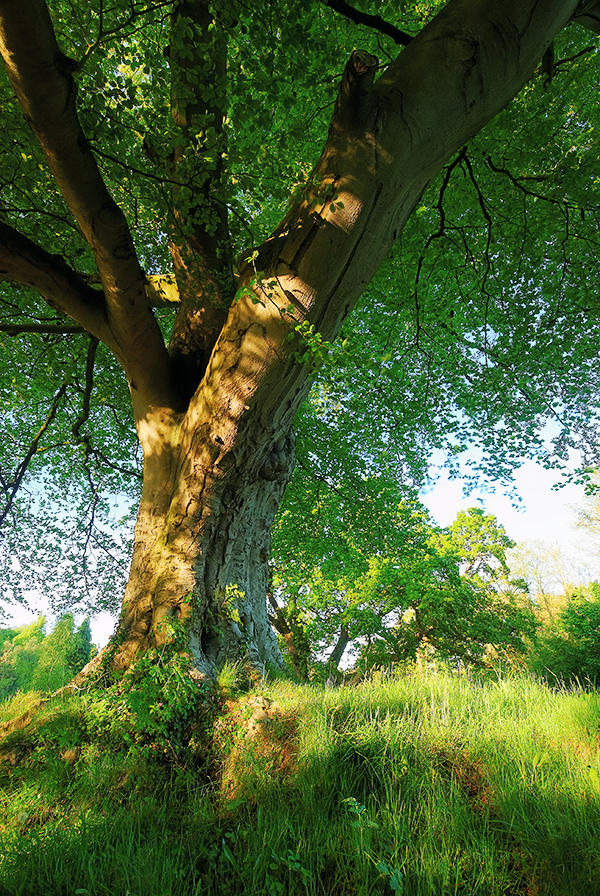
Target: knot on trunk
278, 462
355, 108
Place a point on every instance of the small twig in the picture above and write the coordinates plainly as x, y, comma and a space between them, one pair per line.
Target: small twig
22, 468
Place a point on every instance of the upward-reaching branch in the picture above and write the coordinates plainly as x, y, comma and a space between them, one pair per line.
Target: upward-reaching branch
42, 78
588, 15
199, 240
23, 261
371, 21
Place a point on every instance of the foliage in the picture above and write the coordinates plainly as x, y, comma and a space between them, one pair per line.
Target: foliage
20, 653
366, 566
154, 704
552, 574
30, 659
589, 512
568, 648
420, 785
481, 543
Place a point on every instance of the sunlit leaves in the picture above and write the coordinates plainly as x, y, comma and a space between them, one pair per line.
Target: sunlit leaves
366, 561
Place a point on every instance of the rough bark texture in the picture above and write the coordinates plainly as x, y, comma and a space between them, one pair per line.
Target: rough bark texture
336, 655
214, 416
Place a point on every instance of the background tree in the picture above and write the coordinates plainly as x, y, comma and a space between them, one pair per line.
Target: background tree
552, 573
20, 653
568, 646
588, 515
481, 544
30, 659
367, 570
138, 143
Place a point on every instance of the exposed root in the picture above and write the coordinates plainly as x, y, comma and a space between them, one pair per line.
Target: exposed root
258, 741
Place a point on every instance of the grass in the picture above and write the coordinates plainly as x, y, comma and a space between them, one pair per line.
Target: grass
424, 786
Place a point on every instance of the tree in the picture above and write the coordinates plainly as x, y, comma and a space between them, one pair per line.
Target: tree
141, 138
367, 569
63, 653
589, 513
20, 653
30, 659
552, 576
481, 544
568, 646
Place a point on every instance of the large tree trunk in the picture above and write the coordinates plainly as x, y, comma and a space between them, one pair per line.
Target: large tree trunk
201, 551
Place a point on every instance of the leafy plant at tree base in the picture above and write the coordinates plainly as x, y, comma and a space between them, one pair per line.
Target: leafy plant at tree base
154, 708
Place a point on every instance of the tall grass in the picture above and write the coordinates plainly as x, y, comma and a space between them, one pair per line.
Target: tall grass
428, 785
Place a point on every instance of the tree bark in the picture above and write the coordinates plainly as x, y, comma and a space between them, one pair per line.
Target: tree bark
281, 626
335, 658
201, 556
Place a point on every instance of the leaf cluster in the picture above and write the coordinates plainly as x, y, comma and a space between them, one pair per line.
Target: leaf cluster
568, 648
366, 566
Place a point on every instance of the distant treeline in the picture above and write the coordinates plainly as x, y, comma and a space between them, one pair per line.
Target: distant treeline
32, 659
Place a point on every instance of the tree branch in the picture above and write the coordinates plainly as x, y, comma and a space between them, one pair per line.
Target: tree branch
22, 468
336, 655
281, 626
23, 261
43, 329
200, 241
161, 289
362, 18
41, 77
85, 406
588, 15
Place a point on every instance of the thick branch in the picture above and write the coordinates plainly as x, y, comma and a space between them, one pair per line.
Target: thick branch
375, 22
41, 77
43, 329
23, 261
161, 289
337, 652
162, 292
588, 15
454, 77
199, 240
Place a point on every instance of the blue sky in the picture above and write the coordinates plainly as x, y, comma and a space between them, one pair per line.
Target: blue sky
543, 514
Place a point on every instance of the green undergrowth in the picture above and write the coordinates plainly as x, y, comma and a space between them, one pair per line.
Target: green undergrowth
413, 785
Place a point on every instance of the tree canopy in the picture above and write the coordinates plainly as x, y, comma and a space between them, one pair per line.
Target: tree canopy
147, 146
379, 578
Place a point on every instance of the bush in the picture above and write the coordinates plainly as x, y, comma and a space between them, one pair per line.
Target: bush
569, 649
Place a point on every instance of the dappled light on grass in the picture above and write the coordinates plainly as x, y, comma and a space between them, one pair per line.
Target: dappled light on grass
417, 784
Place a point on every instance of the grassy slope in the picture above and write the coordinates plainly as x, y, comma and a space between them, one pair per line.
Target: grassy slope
433, 785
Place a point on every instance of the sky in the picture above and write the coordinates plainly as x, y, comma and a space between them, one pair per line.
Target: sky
543, 514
